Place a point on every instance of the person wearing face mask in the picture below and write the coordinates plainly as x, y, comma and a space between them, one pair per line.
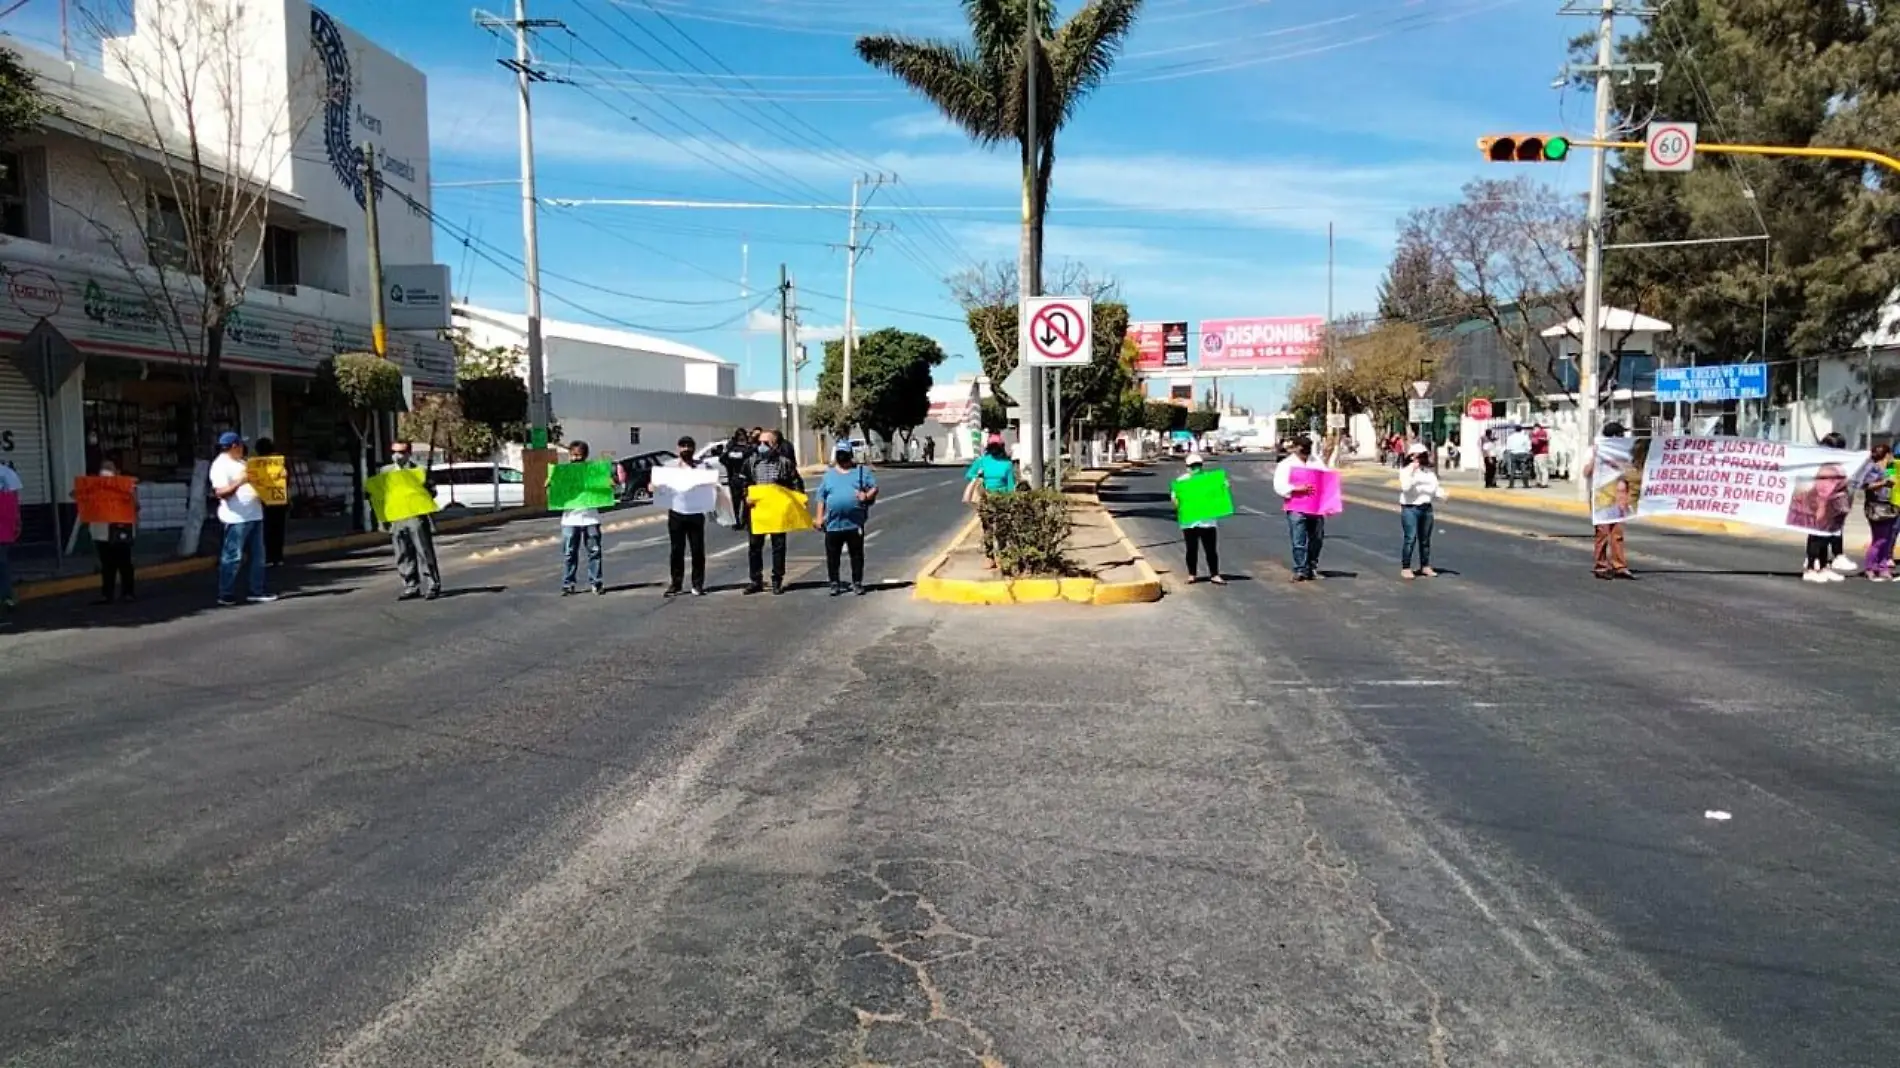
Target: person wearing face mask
113, 542
414, 539
769, 467
733, 458
686, 530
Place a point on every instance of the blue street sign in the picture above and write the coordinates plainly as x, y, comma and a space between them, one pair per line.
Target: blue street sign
1725, 382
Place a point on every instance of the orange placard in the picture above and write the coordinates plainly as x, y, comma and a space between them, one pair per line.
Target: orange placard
107, 498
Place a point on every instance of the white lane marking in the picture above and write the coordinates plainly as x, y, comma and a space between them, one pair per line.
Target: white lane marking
1406, 682
872, 536
728, 551
915, 492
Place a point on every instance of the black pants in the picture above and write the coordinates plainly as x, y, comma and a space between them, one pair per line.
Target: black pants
687, 532
836, 543
115, 568
1822, 549
755, 556
1491, 472
275, 517
1199, 538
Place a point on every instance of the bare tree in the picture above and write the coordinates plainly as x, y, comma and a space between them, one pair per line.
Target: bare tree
194, 171
1511, 247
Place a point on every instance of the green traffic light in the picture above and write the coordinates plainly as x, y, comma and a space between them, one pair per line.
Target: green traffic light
1556, 148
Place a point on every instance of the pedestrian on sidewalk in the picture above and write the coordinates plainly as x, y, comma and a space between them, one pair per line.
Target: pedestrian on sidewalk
768, 466
1540, 453
733, 458
1308, 532
1882, 514
414, 539
1204, 535
241, 511
1419, 489
113, 543
992, 472
580, 529
845, 496
686, 531
276, 517
9, 483
1490, 447
1612, 562
1824, 504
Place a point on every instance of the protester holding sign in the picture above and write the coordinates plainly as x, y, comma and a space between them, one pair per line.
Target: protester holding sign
1298, 479
1607, 468
413, 537
10, 490
579, 490
1819, 504
241, 511
112, 538
767, 469
270, 474
1201, 499
692, 492
1882, 513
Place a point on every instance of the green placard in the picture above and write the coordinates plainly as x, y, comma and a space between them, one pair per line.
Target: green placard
1202, 497
582, 485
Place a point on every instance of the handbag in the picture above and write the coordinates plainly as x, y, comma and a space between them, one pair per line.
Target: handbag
973, 491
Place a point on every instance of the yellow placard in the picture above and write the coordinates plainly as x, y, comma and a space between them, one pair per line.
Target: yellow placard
399, 494
270, 477
777, 510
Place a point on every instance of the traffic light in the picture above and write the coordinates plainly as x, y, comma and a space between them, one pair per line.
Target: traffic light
1525, 148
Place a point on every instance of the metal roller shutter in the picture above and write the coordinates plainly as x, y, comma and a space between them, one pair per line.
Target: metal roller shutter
22, 434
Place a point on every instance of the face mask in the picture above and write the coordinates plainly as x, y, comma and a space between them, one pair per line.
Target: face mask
764, 448
687, 455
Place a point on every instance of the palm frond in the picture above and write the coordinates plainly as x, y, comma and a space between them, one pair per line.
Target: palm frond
951, 76
1083, 51
997, 28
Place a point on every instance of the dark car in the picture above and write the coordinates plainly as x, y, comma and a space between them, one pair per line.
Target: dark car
638, 472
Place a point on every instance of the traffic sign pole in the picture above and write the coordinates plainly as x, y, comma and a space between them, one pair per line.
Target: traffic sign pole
1056, 375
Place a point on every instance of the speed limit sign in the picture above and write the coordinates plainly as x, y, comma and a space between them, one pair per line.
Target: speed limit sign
1670, 147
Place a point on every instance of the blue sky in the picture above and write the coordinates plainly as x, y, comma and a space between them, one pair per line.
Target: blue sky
1202, 177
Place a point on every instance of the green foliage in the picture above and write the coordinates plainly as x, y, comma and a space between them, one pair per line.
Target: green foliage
890, 384
496, 403
1029, 532
1163, 417
994, 415
476, 361
1203, 422
365, 382
21, 103
491, 399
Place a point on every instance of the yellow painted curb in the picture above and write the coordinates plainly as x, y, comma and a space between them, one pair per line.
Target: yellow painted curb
928, 587
1145, 590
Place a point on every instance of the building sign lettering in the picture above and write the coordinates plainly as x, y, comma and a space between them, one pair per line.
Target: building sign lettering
120, 313
367, 121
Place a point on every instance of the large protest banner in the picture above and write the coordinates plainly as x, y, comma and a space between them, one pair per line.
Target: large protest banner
399, 493
1806, 488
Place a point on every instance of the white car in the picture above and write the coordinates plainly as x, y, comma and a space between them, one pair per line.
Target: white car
472, 485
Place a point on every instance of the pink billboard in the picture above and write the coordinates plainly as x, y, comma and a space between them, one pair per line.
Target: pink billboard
1255, 343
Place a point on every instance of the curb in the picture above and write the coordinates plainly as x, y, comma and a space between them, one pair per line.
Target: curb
59, 587
928, 587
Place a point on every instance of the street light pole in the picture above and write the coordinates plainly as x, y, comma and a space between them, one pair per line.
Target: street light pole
1590, 356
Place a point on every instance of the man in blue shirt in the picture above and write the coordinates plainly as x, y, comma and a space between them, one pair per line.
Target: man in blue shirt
845, 496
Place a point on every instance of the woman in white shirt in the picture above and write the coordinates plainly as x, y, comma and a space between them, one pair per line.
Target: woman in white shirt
1204, 535
1418, 488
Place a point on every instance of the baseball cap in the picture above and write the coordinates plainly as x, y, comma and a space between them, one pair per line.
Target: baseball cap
1194, 459
230, 438
1417, 448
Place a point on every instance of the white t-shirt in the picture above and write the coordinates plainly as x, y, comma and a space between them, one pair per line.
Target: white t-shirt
244, 506
581, 517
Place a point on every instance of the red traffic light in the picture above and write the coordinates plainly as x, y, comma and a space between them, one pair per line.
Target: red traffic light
1525, 148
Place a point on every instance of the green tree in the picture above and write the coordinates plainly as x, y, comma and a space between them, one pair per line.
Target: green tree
1768, 72
981, 85
21, 103
1163, 417
890, 384
1203, 421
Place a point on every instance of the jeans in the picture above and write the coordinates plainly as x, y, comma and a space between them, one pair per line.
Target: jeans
241, 540
1416, 521
687, 532
1199, 538
755, 556
572, 539
1880, 549
115, 568
1309, 537
837, 542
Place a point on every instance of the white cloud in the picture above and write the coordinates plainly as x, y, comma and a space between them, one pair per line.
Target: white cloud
821, 334
918, 126
760, 321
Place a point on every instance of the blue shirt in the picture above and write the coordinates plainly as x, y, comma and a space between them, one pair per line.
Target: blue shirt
838, 494
998, 475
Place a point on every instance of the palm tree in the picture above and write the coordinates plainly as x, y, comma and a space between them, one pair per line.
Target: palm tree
981, 85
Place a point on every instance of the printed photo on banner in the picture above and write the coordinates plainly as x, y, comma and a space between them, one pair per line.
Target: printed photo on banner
1781, 486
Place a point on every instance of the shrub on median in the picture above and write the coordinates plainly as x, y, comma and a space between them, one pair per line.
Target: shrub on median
1029, 530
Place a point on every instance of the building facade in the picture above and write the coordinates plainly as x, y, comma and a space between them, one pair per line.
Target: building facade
101, 337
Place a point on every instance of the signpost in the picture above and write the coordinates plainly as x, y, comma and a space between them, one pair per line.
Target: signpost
1419, 410
1057, 332
1670, 147
1421, 389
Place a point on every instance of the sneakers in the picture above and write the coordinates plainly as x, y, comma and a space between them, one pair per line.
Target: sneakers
1218, 581
227, 602
754, 587
837, 589
600, 589
1407, 573
1811, 575
1879, 576
671, 592
778, 587
699, 591
1426, 572
1831, 575
261, 598
858, 589
410, 595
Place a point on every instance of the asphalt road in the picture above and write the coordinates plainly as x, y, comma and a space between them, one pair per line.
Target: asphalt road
1557, 743
1351, 823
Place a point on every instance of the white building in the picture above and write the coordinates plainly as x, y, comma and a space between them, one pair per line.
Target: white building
625, 393
85, 199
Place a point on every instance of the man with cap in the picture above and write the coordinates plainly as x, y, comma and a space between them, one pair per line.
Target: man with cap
1202, 535
414, 539
686, 529
241, 511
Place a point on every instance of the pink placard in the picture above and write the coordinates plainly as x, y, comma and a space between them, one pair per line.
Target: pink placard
9, 518
1326, 498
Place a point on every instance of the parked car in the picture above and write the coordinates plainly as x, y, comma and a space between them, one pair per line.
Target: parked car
638, 472
473, 485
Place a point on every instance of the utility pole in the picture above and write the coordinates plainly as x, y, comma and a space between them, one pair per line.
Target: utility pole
1605, 68
1330, 403
785, 352
1031, 281
378, 323
854, 248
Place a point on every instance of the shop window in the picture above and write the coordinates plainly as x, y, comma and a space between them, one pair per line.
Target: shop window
280, 259
165, 234
13, 214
